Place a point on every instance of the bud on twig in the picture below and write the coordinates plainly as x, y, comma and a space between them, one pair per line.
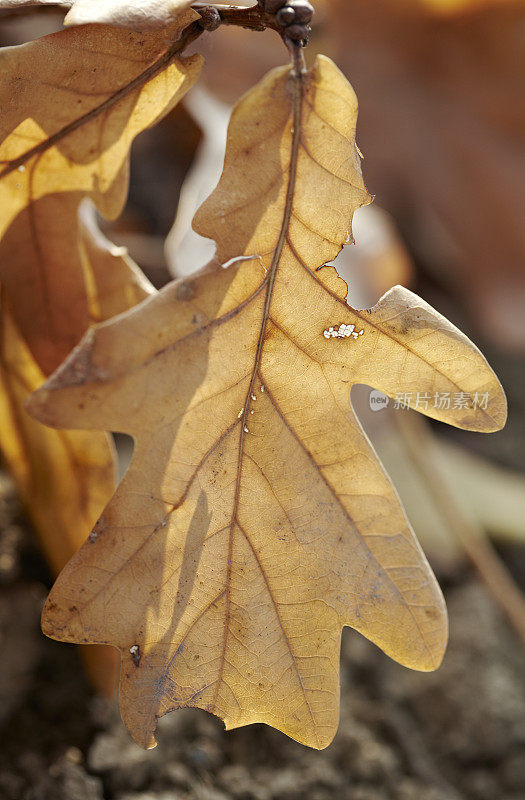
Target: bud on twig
285, 16
297, 33
272, 6
304, 10
210, 18
292, 16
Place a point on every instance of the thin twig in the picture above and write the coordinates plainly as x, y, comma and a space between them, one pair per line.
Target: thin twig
296, 56
252, 17
421, 446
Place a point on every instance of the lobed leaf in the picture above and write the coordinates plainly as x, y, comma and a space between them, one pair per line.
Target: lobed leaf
255, 520
74, 468
71, 105
139, 15
65, 132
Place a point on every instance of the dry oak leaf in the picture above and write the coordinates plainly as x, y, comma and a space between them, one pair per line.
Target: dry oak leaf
140, 15
75, 468
72, 103
255, 520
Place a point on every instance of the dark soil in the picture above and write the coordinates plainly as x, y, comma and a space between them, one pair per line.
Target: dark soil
455, 734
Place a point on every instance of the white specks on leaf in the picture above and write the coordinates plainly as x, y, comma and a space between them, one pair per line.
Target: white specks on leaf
135, 654
344, 331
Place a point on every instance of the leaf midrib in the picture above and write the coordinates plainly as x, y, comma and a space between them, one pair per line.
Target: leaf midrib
297, 78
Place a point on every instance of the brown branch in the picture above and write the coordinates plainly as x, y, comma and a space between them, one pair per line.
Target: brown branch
252, 17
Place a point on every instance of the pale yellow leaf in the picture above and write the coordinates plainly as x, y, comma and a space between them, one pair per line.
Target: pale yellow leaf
62, 139
139, 15
65, 478
72, 105
255, 520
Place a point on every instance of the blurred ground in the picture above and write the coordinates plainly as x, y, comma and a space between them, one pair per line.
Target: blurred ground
457, 734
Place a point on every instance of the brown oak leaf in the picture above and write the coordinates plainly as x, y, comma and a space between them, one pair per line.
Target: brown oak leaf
255, 520
140, 15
